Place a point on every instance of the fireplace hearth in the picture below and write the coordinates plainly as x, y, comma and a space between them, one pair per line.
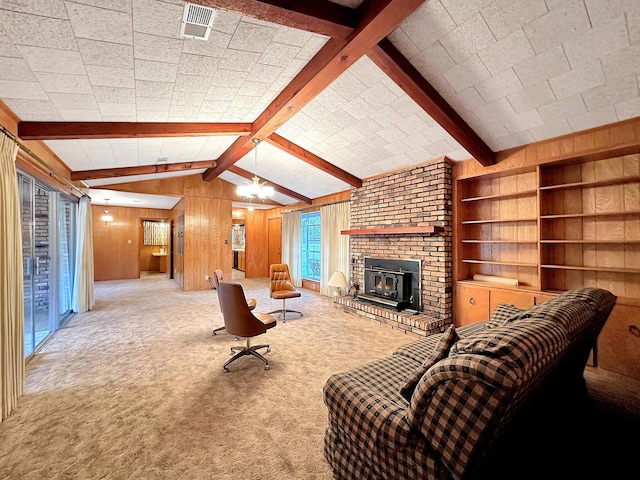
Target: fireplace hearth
392, 283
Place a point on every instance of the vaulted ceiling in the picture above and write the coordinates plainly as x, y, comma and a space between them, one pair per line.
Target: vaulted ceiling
337, 90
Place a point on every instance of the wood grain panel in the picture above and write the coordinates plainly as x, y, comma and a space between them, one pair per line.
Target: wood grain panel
619, 342
257, 254
472, 305
523, 300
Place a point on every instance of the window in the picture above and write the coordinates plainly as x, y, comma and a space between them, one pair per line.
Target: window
311, 245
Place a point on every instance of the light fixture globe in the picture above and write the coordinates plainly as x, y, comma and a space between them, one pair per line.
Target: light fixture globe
255, 189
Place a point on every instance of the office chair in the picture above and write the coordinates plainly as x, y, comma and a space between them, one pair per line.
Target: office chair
281, 288
240, 321
214, 281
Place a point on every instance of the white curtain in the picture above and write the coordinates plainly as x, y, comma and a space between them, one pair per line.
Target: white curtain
292, 245
11, 282
83, 300
335, 247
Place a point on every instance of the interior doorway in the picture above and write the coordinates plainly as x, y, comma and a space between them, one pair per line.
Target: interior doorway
155, 246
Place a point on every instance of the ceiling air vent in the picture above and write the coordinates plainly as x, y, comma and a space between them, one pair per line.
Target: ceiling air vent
197, 21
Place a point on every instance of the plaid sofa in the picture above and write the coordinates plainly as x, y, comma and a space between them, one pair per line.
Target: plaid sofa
464, 402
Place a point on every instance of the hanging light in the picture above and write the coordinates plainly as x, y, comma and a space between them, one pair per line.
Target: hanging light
255, 189
106, 216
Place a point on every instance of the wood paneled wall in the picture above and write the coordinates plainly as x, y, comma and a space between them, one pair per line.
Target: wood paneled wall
615, 140
207, 216
117, 244
256, 247
207, 244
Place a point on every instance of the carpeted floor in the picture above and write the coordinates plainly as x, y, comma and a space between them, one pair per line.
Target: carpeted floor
135, 390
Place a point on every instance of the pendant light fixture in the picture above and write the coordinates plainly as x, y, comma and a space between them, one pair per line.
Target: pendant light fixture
106, 216
255, 189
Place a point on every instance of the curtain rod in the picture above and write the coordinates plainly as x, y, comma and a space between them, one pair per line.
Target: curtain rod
25, 149
314, 207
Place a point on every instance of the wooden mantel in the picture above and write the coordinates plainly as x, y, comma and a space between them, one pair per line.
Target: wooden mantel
428, 230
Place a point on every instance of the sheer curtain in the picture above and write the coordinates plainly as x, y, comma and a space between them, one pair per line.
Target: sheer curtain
292, 245
335, 247
11, 279
83, 300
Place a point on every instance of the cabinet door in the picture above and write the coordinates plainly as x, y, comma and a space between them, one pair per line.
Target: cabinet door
472, 305
619, 342
517, 299
541, 298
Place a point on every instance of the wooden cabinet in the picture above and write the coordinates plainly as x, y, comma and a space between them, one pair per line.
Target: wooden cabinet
471, 304
515, 298
619, 342
554, 227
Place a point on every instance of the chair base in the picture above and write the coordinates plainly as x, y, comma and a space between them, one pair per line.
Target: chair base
283, 312
241, 351
220, 329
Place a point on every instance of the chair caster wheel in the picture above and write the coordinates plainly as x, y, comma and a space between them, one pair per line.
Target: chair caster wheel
225, 370
268, 350
266, 367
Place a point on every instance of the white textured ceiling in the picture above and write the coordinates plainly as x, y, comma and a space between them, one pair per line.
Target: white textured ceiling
517, 71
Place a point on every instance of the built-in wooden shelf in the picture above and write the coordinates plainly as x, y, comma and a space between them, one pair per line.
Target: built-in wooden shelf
597, 183
586, 215
428, 230
499, 220
591, 241
500, 196
490, 262
499, 241
592, 269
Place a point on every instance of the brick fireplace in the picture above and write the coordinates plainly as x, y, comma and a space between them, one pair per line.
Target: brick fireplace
392, 217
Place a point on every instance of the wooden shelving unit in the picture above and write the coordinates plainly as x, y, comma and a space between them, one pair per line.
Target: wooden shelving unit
584, 193
498, 226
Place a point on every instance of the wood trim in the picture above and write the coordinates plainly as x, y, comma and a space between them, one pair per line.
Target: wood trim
98, 130
396, 231
608, 141
318, 16
312, 159
140, 170
409, 79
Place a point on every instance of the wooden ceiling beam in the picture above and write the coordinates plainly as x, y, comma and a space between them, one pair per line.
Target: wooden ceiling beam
407, 77
378, 18
99, 130
312, 159
140, 170
278, 188
317, 16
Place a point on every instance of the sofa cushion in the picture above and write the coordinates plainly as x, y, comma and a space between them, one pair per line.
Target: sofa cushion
522, 343
441, 350
457, 401
459, 404
503, 313
420, 350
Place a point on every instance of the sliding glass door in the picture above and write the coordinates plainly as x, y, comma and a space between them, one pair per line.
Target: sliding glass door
48, 221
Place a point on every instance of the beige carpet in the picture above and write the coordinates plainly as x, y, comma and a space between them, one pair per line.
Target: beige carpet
135, 389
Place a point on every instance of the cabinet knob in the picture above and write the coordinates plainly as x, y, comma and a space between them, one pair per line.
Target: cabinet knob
472, 301
634, 330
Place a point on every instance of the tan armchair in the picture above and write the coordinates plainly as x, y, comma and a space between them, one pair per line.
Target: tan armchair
239, 320
281, 288
215, 280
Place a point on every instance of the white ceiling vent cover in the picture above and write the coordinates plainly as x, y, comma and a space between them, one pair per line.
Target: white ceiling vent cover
197, 21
